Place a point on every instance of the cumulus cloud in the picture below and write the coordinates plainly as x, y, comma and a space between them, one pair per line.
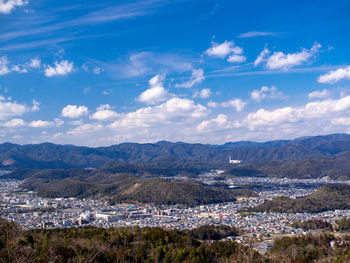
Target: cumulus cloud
313, 110
87, 129
35, 63
236, 58
74, 111
40, 124
266, 93
104, 113
6, 6
196, 78
14, 123
224, 49
335, 75
156, 93
238, 104
219, 122
280, 60
173, 110
318, 94
60, 68
203, 94
9, 109
6, 67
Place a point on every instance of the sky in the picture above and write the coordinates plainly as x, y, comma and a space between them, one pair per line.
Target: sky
99, 73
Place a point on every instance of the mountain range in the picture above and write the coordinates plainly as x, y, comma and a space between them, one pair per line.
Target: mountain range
179, 154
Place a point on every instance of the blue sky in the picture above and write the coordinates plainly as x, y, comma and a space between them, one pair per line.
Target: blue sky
87, 73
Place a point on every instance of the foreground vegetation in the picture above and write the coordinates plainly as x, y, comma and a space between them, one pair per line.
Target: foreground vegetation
91, 244
134, 244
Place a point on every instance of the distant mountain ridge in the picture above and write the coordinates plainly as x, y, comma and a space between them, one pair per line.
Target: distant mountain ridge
53, 156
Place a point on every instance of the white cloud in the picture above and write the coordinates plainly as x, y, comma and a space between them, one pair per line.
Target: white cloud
61, 68
76, 122
318, 94
74, 111
4, 69
19, 69
6, 6
203, 94
36, 105
224, 49
212, 104
40, 124
326, 109
145, 63
218, 122
343, 121
265, 117
280, 60
104, 113
14, 123
58, 122
266, 93
157, 93
172, 111
256, 34
236, 59
10, 109
35, 63
196, 78
262, 56
238, 104
97, 70
334, 76
87, 129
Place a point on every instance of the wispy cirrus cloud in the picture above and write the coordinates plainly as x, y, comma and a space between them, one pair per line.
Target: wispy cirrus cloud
196, 78
103, 15
256, 34
147, 63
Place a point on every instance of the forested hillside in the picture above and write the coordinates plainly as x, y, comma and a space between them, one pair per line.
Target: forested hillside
182, 155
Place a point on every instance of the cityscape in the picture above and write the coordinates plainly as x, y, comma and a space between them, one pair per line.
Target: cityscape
257, 229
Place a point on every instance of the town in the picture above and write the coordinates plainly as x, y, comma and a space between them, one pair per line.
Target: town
31, 211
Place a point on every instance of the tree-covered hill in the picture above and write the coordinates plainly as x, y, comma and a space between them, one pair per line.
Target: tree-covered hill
199, 156
121, 182
327, 197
